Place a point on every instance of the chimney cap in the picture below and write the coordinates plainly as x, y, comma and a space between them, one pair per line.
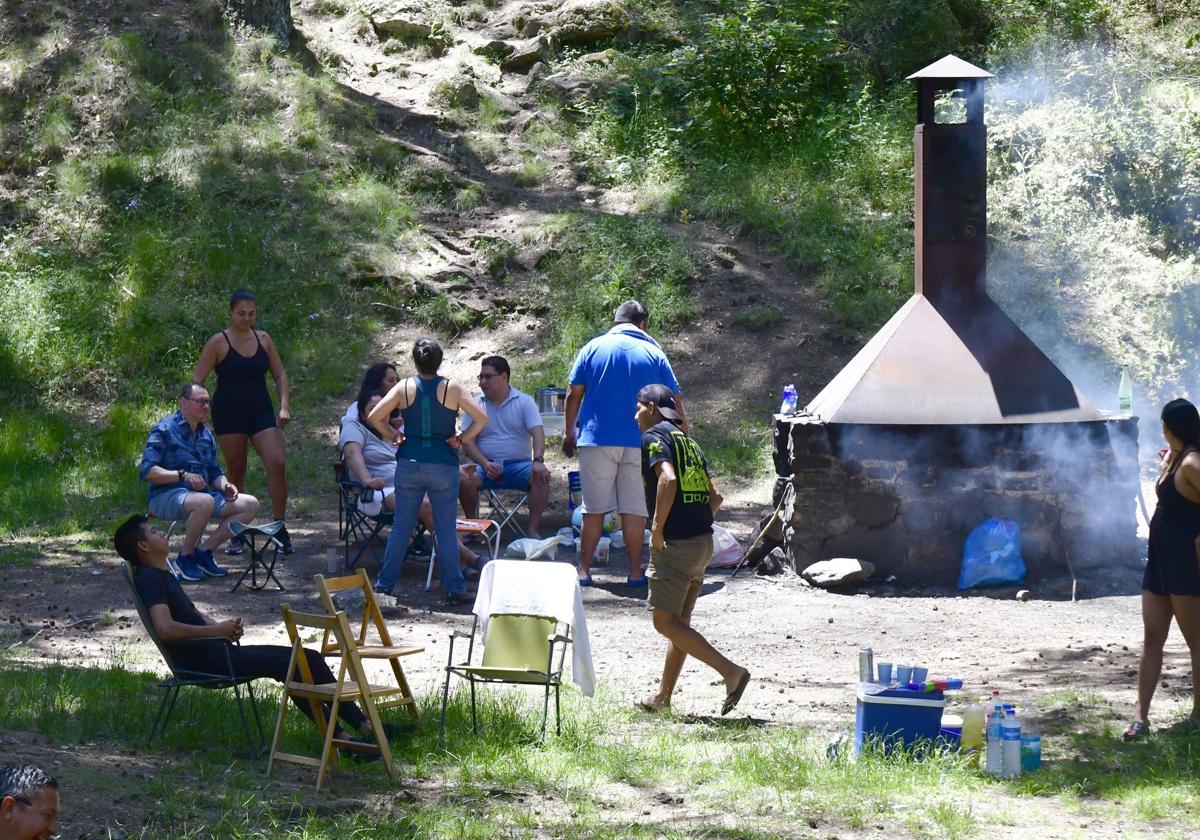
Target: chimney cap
951, 67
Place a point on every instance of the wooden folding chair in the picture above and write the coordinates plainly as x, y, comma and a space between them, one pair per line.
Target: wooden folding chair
385, 649
300, 683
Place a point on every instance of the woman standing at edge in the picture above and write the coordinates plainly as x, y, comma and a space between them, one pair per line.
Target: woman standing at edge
1171, 583
426, 462
241, 407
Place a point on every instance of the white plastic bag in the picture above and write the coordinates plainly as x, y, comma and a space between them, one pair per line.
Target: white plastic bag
528, 548
727, 551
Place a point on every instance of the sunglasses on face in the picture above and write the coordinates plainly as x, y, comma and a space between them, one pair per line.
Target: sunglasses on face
204, 402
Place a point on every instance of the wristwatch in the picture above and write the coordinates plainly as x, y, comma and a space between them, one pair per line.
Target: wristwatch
181, 474
540, 460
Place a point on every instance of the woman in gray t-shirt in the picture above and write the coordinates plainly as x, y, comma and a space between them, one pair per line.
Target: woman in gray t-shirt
372, 460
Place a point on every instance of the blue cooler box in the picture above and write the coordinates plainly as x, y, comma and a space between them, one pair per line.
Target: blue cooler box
897, 717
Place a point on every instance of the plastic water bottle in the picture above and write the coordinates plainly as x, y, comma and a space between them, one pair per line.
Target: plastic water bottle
1031, 746
972, 731
788, 406
995, 740
1125, 392
1010, 734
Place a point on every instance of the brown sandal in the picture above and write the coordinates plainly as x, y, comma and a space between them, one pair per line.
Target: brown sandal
1136, 730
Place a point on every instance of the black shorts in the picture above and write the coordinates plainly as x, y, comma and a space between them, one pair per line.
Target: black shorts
230, 417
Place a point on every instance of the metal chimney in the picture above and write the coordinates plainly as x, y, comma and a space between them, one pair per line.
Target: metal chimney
950, 355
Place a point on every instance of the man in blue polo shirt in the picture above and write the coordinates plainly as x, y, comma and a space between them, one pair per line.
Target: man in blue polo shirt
186, 482
604, 383
501, 453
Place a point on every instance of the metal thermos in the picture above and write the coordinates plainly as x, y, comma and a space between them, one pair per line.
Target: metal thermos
866, 665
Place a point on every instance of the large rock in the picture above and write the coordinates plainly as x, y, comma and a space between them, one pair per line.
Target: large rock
273, 15
586, 21
403, 19
840, 571
527, 54
574, 22
572, 90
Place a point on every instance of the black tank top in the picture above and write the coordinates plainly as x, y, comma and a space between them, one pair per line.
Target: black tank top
241, 377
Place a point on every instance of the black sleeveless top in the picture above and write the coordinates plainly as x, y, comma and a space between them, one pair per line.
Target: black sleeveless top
241, 380
1172, 567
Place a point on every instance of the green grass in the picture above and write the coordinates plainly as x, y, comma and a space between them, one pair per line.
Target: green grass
610, 762
740, 451
226, 164
614, 258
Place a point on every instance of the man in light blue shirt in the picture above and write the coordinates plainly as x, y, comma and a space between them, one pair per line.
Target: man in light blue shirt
602, 400
501, 453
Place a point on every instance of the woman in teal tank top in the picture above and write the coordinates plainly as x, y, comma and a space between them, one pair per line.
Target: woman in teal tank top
427, 463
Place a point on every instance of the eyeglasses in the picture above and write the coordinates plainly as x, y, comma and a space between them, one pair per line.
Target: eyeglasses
204, 402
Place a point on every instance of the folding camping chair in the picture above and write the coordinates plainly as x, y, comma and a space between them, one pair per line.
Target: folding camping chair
468, 526
181, 677
262, 553
371, 616
519, 648
505, 504
353, 524
343, 690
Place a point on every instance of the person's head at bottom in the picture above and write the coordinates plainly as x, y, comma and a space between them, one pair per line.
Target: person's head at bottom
28, 803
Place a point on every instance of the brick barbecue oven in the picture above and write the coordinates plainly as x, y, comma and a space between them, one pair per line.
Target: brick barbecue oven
950, 414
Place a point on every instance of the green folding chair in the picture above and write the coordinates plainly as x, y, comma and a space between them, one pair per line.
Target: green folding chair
519, 650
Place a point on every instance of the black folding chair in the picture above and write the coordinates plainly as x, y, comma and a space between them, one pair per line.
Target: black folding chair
181, 677
353, 524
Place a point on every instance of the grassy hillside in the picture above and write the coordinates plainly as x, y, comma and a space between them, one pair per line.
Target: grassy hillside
151, 161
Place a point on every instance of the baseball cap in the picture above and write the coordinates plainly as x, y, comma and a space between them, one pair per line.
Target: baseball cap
661, 396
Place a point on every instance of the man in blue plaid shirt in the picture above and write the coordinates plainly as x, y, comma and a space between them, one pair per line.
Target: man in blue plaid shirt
186, 482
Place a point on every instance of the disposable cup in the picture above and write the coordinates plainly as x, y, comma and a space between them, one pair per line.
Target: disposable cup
919, 674
885, 672
904, 674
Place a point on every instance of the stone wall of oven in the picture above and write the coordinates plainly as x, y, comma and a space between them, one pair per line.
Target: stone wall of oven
905, 497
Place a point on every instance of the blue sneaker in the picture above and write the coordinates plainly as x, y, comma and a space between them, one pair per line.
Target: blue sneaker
206, 563
188, 570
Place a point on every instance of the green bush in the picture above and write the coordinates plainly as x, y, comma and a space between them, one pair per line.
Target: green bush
759, 71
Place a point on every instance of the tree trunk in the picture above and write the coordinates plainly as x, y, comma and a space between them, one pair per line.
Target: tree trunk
272, 15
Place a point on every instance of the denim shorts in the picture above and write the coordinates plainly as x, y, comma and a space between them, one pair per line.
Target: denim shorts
516, 476
168, 505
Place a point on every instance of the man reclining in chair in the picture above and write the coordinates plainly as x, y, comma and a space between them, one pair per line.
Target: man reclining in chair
501, 453
177, 620
186, 482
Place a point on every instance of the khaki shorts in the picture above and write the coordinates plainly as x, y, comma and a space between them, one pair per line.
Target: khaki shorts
611, 477
676, 574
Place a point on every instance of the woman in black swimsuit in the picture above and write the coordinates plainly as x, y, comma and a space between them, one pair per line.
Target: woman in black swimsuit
1171, 584
241, 407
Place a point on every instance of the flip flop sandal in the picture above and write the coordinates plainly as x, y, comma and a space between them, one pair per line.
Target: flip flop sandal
732, 698
1136, 730
585, 581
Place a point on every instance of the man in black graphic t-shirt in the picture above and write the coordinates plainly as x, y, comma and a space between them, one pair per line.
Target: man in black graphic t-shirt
681, 499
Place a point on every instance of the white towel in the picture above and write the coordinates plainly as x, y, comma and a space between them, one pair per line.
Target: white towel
551, 589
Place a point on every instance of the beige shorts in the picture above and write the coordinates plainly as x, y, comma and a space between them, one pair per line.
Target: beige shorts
676, 574
611, 477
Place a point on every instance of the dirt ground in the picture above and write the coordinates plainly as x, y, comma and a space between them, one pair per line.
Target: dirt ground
799, 643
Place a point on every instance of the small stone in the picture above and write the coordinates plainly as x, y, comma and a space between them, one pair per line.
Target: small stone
1023, 595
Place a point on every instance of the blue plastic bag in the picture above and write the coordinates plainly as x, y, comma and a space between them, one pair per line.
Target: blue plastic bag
992, 555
